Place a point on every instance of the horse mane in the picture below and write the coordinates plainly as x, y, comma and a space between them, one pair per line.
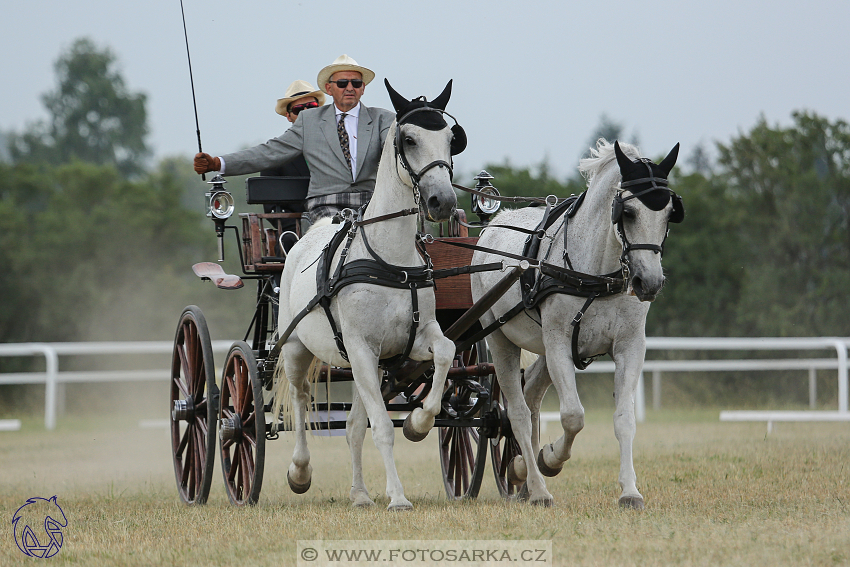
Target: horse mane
602, 157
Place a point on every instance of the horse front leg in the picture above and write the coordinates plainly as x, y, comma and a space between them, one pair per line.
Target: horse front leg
367, 377
537, 381
506, 357
561, 370
421, 420
355, 433
297, 360
626, 374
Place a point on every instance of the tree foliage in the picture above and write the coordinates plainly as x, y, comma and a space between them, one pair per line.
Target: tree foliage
93, 116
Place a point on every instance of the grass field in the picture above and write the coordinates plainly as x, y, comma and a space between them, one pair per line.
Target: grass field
716, 494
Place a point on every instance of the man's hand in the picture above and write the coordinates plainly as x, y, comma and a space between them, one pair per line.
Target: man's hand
205, 162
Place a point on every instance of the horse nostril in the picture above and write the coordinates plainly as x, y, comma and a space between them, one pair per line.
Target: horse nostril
433, 203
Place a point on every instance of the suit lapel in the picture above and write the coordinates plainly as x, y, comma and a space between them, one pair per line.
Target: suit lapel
364, 137
328, 128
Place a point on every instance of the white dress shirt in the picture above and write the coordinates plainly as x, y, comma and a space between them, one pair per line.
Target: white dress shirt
352, 117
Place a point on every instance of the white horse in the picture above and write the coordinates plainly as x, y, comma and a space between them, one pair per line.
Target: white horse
375, 321
629, 248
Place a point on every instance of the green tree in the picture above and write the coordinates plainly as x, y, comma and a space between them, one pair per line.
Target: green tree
93, 116
794, 185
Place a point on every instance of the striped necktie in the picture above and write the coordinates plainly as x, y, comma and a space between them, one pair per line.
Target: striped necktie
343, 139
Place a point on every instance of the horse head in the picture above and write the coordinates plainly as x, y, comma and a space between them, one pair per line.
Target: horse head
641, 211
424, 145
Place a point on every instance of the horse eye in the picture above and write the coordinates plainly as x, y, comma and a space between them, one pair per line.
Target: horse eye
409, 141
629, 213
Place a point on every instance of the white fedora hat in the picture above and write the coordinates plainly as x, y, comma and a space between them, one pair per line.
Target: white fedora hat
343, 63
298, 89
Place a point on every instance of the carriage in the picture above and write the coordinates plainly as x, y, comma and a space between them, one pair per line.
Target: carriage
208, 410
428, 359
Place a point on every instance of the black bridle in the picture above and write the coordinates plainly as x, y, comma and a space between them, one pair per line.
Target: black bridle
618, 206
415, 177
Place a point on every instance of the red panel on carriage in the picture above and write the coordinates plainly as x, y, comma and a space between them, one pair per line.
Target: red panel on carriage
259, 240
453, 292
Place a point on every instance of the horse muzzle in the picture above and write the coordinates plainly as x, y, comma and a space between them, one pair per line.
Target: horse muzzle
646, 289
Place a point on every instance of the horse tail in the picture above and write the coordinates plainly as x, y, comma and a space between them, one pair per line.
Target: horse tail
283, 407
527, 358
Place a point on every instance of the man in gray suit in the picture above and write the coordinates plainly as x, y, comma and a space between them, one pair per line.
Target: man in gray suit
342, 143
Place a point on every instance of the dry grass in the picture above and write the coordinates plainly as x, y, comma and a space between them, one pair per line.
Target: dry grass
716, 494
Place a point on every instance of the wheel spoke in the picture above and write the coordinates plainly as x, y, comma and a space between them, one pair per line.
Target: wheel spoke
234, 465
183, 440
231, 389
190, 455
201, 422
184, 364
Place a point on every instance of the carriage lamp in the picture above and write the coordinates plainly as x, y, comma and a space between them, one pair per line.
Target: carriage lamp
219, 208
219, 200
482, 206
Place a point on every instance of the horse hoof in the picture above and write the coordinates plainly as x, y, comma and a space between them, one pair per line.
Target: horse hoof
546, 502
631, 502
363, 503
410, 433
545, 469
298, 488
517, 470
400, 507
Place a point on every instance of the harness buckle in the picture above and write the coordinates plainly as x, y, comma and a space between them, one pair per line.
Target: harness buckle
405, 277
416, 317
551, 200
577, 319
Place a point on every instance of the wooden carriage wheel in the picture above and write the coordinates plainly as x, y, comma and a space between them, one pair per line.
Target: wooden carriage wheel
463, 450
242, 427
504, 445
193, 407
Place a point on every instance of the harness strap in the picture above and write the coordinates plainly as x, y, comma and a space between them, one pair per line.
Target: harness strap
500, 197
449, 272
510, 314
581, 363
397, 214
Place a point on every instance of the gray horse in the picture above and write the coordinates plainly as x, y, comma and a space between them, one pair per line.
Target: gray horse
375, 321
629, 247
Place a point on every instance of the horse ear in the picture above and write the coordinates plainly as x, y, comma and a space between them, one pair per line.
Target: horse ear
623, 161
667, 163
458, 139
398, 101
442, 100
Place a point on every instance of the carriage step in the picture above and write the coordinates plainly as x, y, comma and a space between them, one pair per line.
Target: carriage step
215, 273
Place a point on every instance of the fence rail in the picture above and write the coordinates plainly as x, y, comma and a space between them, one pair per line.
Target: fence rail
52, 377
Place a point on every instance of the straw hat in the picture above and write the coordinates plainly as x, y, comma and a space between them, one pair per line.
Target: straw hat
343, 63
298, 89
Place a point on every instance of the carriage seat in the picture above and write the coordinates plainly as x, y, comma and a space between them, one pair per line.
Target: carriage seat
262, 231
269, 190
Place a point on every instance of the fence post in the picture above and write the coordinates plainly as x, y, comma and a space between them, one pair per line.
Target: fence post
813, 388
51, 379
841, 348
656, 390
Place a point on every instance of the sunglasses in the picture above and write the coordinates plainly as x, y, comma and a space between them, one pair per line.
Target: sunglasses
299, 107
342, 83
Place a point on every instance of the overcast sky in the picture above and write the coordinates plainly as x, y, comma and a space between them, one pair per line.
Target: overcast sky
531, 79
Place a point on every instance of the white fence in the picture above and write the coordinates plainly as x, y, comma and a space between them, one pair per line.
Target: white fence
835, 358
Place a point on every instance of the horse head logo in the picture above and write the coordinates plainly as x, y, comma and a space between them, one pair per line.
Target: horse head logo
38, 527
